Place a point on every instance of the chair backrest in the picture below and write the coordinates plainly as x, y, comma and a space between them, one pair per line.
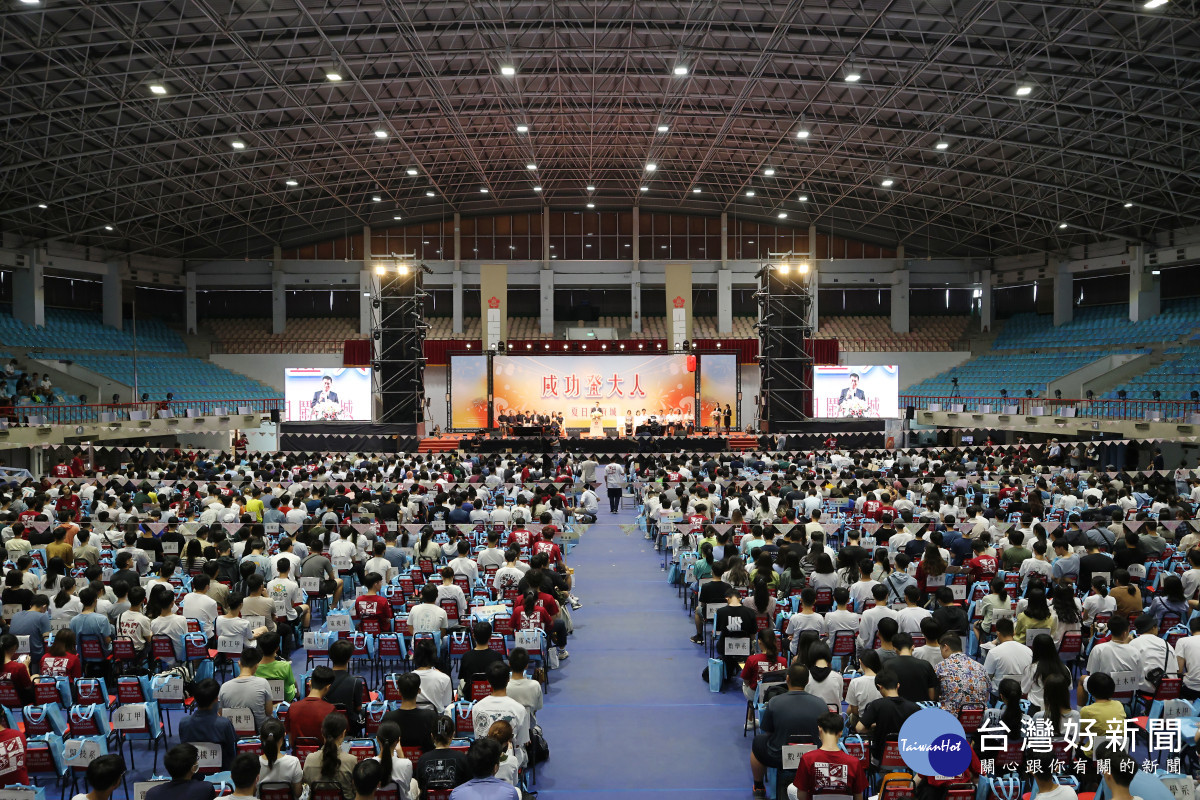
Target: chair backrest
91, 648
362, 749
971, 716
275, 790
891, 755
412, 753
895, 786
325, 790
304, 747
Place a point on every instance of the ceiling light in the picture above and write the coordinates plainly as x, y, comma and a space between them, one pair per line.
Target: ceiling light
886, 182
411, 171
381, 134
768, 172
1024, 88
508, 71
238, 144
430, 194
43, 205
750, 193
853, 74
591, 188
108, 227
782, 215
158, 88
380, 269
30, 2
645, 188
376, 198
397, 218
803, 133
651, 167
333, 76
664, 128
803, 267
784, 269
1062, 225
696, 190
483, 190
681, 70
1129, 205
1156, 272
292, 182
537, 188
591, 205
942, 145
1154, 3
522, 129
803, 198
531, 166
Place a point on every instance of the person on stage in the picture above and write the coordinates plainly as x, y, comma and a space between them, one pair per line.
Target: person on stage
716, 418
728, 418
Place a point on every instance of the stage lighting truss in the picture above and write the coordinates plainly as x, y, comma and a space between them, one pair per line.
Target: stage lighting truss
398, 336
785, 365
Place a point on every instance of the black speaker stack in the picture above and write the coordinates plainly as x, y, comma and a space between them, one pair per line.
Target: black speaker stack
398, 333
784, 348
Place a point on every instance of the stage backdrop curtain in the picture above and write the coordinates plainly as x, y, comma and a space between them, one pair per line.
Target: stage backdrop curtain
356, 353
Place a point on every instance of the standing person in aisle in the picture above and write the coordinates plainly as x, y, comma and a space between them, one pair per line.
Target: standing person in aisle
614, 480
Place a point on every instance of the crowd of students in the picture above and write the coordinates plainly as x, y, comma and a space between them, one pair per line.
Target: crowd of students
848, 591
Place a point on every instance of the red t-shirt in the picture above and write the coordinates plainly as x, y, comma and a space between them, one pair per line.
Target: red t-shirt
549, 603
758, 665
519, 538
66, 666
373, 606
61, 471
830, 772
871, 508
538, 619
17, 673
304, 718
69, 503
982, 567
12, 758
553, 554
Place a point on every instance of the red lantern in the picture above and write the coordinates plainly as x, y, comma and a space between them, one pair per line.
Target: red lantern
691, 363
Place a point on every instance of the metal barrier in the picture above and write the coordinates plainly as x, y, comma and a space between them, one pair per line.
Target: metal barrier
1140, 410
32, 415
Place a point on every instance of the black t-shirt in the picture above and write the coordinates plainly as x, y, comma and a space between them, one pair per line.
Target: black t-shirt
916, 677
16, 595
1128, 555
952, 619
737, 621
151, 546
887, 714
712, 592
388, 512
1091, 564
346, 691
475, 662
40, 539
416, 726
128, 575
442, 769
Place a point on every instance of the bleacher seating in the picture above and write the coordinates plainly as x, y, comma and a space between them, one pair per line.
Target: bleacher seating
874, 333
303, 335
71, 329
186, 378
1100, 326
987, 375
1175, 379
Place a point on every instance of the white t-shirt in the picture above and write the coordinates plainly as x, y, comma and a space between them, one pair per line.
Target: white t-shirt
286, 769
427, 617
493, 708
1058, 793
1010, 658
861, 692
437, 693
1188, 649
402, 772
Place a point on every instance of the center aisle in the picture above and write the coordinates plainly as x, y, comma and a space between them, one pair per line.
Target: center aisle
628, 711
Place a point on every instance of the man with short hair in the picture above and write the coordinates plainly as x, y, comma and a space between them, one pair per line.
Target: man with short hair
793, 713
870, 618
248, 691
373, 606
884, 717
33, 622
182, 762
962, 679
417, 724
1065, 567
90, 622
829, 769
427, 616
199, 606
306, 715
104, 775
477, 660
244, 773
918, 681
499, 706
205, 724
1116, 655
1008, 658
347, 688
484, 760
273, 668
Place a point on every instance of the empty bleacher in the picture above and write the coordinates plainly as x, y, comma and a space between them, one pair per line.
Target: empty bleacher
987, 375
1175, 379
73, 329
1100, 326
875, 334
303, 335
186, 378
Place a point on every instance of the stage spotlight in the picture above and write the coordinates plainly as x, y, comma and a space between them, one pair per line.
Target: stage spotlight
380, 269
566, 347
1122, 394
1004, 393
501, 347
660, 345
528, 346
376, 335
784, 269
603, 347
1029, 392
641, 347
1058, 394
1090, 394
1157, 395
547, 347
954, 381
803, 267
402, 269
375, 303
623, 347
145, 397
686, 345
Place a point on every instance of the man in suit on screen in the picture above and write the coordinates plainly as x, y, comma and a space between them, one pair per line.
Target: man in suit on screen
326, 394
852, 392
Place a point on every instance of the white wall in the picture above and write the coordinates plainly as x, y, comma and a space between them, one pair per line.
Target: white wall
269, 368
914, 367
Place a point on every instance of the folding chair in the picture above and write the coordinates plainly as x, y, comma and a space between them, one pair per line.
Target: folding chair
275, 790
325, 790
305, 746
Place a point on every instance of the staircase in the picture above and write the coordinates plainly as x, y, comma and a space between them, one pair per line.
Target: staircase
439, 444
741, 442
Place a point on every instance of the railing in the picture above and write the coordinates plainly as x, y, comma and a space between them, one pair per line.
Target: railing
281, 344
1141, 410
31, 415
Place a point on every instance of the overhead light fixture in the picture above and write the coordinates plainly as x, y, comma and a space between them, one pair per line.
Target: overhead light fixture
1154, 3
803, 198
1062, 225
886, 182
483, 190
108, 227
537, 188
31, 2
158, 88
43, 206
664, 128
784, 269
782, 215
507, 70
645, 188
803, 267
332, 76
522, 129
376, 198
681, 70
853, 74
696, 190
411, 171
769, 172
651, 167
531, 166
1024, 88
1156, 272
591, 205
803, 133
591, 188
380, 269
380, 133
397, 218
238, 144
942, 144
430, 194
292, 182
1129, 205
750, 193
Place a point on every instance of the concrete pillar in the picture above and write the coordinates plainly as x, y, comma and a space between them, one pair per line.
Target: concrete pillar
814, 279
724, 238
900, 286
278, 293
456, 301
493, 294
724, 300
678, 283
546, 292
29, 296
985, 300
190, 302
1064, 294
635, 299
457, 240
112, 294
1145, 288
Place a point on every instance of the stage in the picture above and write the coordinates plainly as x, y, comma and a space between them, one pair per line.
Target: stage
606, 445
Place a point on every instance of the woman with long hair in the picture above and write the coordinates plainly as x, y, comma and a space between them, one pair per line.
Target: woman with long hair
65, 604
761, 601
932, 569
792, 576
56, 568
1126, 594
736, 574
442, 769
702, 568
532, 615
1046, 664
1169, 601
427, 548
330, 764
1035, 615
396, 768
14, 670
274, 765
61, 660
1056, 703
1011, 715
194, 560
764, 569
1098, 602
823, 681
160, 608
767, 659
996, 599
1067, 612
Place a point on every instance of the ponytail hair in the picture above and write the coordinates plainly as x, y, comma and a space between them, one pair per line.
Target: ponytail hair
65, 585
271, 736
443, 729
388, 737
333, 728
762, 595
530, 601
